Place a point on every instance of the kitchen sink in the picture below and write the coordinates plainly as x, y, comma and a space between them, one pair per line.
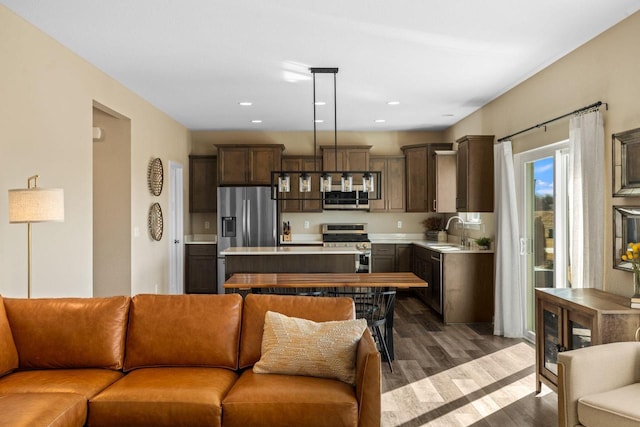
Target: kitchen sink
446, 248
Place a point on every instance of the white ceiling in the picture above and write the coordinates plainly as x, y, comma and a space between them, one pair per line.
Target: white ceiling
197, 59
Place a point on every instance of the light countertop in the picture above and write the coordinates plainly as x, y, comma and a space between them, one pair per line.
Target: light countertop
311, 244
450, 248
200, 239
302, 239
392, 238
288, 250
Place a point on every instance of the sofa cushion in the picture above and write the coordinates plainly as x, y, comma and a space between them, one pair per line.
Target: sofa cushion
43, 409
617, 407
318, 309
184, 330
8, 352
180, 396
69, 332
288, 400
295, 346
85, 382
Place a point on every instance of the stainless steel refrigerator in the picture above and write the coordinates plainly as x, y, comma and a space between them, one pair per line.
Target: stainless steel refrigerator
246, 217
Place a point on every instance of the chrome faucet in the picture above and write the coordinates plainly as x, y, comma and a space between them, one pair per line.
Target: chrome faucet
463, 241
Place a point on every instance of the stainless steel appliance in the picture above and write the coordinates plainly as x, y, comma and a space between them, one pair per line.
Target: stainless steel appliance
350, 236
246, 217
346, 200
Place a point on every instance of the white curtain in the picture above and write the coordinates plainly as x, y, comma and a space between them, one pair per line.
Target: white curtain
509, 310
586, 200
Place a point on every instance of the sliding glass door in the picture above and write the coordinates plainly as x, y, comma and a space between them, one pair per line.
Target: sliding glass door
541, 187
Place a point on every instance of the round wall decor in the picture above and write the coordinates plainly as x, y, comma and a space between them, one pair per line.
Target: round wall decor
155, 176
155, 221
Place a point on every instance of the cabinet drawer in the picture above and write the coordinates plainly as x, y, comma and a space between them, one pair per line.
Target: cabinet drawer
201, 249
383, 249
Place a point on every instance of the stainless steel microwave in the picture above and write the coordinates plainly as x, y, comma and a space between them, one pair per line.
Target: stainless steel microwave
347, 200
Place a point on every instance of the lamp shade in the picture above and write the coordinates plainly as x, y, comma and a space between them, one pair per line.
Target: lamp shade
36, 205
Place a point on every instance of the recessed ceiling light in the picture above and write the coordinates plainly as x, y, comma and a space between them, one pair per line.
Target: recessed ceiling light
245, 103
393, 103
320, 103
380, 120
256, 121
319, 121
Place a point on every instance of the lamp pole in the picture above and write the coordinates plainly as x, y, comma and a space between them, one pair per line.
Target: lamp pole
33, 178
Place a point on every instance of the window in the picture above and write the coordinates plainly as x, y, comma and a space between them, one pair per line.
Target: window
472, 220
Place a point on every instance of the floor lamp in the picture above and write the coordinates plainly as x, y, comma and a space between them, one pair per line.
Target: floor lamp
35, 204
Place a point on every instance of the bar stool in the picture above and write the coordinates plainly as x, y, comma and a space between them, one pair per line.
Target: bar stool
372, 304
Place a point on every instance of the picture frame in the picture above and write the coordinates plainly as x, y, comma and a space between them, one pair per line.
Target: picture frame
626, 163
626, 229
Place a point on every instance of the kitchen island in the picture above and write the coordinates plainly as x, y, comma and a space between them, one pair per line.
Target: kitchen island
289, 259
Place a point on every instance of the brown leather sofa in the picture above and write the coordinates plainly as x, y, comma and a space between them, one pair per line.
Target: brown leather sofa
169, 360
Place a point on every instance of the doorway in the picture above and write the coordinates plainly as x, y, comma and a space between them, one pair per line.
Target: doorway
542, 194
176, 243
111, 202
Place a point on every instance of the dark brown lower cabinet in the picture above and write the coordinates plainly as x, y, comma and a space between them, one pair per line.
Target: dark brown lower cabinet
299, 263
390, 257
422, 268
201, 270
460, 284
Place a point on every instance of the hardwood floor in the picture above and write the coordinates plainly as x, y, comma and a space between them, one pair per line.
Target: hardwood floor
459, 375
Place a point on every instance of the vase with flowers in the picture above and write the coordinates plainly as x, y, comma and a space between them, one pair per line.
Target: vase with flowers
632, 256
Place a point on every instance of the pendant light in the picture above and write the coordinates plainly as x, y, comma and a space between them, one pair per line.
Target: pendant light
368, 184
304, 183
325, 182
346, 182
281, 180
284, 183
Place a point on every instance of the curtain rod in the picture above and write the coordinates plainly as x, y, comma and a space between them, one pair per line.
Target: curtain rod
579, 110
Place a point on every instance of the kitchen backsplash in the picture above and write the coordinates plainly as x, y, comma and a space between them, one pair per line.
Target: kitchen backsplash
199, 222
378, 222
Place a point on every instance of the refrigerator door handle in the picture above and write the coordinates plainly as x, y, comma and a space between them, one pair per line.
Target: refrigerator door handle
244, 223
248, 215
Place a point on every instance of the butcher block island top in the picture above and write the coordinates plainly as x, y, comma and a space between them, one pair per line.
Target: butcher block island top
324, 280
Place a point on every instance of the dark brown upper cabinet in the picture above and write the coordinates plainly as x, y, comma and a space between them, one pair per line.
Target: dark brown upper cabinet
475, 174
248, 164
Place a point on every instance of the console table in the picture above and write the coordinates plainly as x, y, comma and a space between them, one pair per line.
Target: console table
567, 319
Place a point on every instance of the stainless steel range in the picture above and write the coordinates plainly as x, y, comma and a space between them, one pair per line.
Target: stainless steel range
354, 236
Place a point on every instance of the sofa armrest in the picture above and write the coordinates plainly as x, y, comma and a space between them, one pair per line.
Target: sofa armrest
593, 370
368, 386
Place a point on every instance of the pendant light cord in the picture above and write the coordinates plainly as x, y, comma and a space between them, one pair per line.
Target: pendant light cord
314, 124
335, 120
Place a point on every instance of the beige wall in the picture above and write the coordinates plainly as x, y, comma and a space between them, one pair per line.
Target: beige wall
606, 69
46, 128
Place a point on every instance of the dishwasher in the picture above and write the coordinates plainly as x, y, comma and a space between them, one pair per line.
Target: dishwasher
436, 282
